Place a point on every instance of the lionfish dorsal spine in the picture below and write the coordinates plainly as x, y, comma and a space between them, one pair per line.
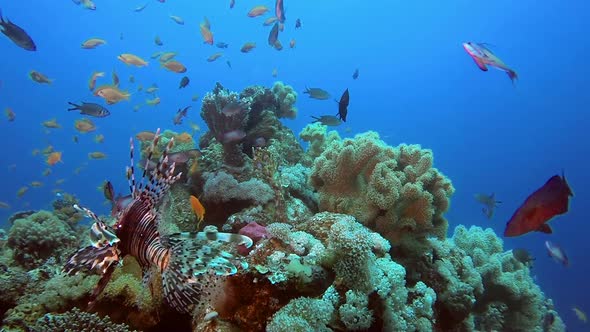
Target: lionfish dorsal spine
131, 170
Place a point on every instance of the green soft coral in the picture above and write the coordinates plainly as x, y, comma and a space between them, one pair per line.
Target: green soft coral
286, 97
38, 237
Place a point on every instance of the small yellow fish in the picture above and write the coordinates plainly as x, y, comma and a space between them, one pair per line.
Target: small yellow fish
51, 124
22, 191
195, 97
132, 59
153, 102
99, 138
59, 181
97, 155
39, 78
93, 43
165, 57
36, 184
580, 314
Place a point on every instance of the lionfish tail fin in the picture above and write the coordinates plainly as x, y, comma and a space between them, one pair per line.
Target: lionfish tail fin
158, 179
197, 261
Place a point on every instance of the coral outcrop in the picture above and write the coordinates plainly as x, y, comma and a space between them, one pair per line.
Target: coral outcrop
394, 191
38, 237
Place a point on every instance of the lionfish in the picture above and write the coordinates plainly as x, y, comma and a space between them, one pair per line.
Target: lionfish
182, 259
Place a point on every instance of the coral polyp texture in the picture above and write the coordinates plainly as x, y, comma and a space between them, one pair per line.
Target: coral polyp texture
348, 235
395, 191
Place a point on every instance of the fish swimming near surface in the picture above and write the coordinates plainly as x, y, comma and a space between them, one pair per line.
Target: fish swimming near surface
343, 105
91, 109
222, 45
484, 57
489, 202
181, 113
17, 34
550, 200
355, 75
180, 258
298, 24
317, 93
557, 253
328, 120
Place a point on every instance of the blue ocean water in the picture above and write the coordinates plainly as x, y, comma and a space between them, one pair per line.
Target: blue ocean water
416, 85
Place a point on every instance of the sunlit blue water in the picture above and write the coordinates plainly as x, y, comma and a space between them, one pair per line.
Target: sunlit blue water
416, 85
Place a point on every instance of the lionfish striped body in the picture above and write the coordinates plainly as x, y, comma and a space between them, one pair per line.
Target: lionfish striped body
182, 259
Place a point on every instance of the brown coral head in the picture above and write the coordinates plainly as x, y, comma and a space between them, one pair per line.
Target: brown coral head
233, 137
232, 109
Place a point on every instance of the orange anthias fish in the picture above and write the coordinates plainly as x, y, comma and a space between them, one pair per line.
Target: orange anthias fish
93, 78
84, 125
206, 33
247, 47
174, 66
484, 57
550, 200
198, 208
54, 158
111, 94
132, 59
39, 78
257, 11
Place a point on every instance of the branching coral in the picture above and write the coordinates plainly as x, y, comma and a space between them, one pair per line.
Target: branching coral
394, 191
76, 320
39, 236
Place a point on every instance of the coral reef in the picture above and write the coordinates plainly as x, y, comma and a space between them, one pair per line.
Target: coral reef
481, 287
394, 191
349, 235
40, 236
76, 320
63, 208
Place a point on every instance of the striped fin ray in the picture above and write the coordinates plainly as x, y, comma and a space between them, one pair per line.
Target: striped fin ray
161, 177
196, 260
131, 170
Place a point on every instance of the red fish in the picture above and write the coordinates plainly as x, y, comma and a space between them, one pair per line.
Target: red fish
550, 200
484, 57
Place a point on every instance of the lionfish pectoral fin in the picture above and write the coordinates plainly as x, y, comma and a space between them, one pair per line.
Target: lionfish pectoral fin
180, 290
210, 233
193, 256
102, 283
93, 258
